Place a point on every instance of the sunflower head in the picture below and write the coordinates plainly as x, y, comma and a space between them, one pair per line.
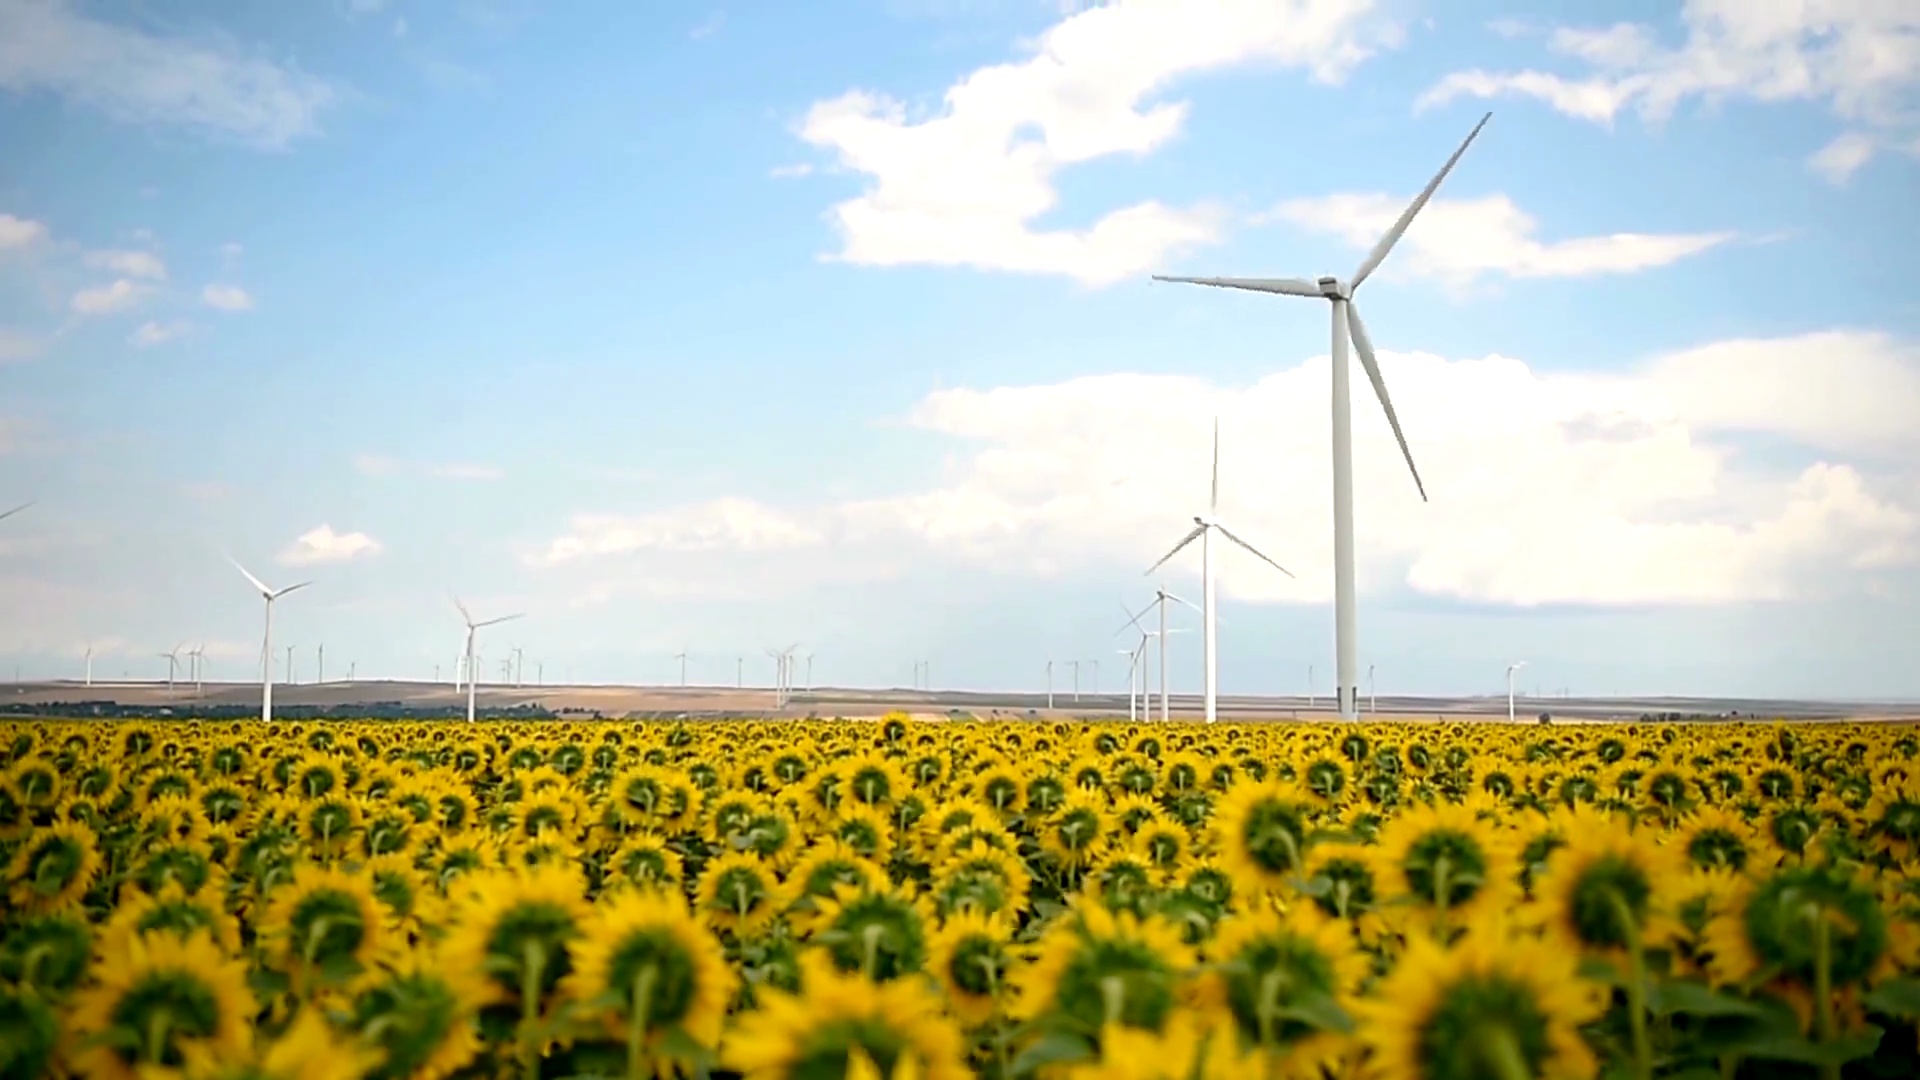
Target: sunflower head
48, 953
970, 955
514, 932
1280, 977
418, 1016
644, 962
1602, 890
1260, 832
53, 867
154, 1001
1096, 967
1795, 921
844, 1024
325, 922
880, 932
1491, 1005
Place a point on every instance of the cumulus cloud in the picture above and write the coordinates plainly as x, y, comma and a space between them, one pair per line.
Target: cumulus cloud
18, 233
207, 82
108, 299
159, 333
1860, 58
226, 298
323, 545
139, 264
1458, 240
963, 187
1847, 154
1547, 487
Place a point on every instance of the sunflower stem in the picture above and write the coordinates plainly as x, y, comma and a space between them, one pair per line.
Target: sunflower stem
642, 1002
1636, 986
1441, 891
533, 966
155, 1051
1000, 1035
1503, 1054
1823, 986
870, 951
1113, 995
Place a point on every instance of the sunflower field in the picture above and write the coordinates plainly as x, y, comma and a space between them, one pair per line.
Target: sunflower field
887, 900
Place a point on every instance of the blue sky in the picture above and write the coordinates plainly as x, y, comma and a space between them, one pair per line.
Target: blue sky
724, 326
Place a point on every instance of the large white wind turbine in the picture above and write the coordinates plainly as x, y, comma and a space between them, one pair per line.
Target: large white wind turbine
472, 671
1204, 526
266, 636
1346, 321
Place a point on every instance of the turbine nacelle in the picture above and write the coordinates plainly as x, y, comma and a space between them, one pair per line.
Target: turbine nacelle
1334, 289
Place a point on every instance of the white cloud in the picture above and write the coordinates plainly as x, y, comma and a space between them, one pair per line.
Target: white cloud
107, 299
1861, 58
790, 172
1547, 487
159, 333
964, 187
724, 524
16, 346
709, 27
1460, 239
379, 465
226, 298
208, 82
139, 264
323, 545
19, 233
1844, 156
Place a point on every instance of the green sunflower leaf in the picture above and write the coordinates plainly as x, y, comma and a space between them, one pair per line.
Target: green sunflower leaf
1896, 997
1053, 1048
1697, 999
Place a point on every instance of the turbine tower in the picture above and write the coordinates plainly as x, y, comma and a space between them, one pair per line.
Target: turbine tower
1204, 526
266, 636
1346, 322
473, 672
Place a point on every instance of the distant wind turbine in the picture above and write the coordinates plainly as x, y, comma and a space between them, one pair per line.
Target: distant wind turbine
1511, 669
173, 663
268, 594
682, 657
473, 671
1204, 526
1347, 323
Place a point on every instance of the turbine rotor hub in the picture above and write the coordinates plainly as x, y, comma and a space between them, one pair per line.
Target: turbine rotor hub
1333, 288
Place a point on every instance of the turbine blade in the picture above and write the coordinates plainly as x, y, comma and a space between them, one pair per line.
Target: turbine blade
1379, 252
257, 583
464, 613
501, 619
1133, 621
1363, 344
1282, 286
288, 589
1254, 551
1177, 600
1213, 496
1188, 539
14, 511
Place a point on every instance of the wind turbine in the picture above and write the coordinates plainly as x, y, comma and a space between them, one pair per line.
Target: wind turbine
1204, 526
1160, 598
173, 662
682, 657
472, 671
1511, 668
89, 660
266, 636
1346, 322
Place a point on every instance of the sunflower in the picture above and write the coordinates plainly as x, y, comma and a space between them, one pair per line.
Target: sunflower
155, 999
644, 860
645, 966
1259, 831
739, 892
1893, 815
843, 1019
1712, 837
1600, 890
866, 829
879, 931
988, 878
1268, 970
172, 910
53, 867
1492, 1005
513, 934
1800, 929
1447, 864
325, 921
970, 955
47, 953
1076, 833
825, 867
307, 1050
1097, 967
420, 1018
